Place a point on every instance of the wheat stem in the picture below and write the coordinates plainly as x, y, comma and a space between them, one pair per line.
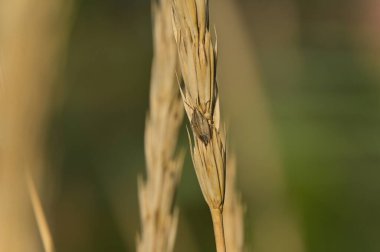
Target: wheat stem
40, 216
233, 212
217, 220
32, 36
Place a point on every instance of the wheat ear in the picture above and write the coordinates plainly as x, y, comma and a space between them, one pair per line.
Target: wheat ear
157, 193
233, 214
197, 57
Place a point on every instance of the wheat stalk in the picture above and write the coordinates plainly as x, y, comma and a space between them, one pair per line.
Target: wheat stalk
39, 214
197, 57
32, 36
157, 193
233, 213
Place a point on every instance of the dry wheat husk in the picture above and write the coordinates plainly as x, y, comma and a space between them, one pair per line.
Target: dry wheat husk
198, 57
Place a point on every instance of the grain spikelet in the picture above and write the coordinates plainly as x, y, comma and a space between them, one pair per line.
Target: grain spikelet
198, 57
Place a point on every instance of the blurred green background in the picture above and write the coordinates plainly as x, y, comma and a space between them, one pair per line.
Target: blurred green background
300, 88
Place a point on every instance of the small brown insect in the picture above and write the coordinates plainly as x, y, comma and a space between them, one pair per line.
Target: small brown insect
201, 126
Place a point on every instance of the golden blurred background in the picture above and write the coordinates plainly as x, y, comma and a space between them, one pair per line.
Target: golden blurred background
300, 84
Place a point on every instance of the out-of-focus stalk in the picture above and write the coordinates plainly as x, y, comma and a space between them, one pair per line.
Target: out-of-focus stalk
233, 214
157, 193
41, 220
31, 37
